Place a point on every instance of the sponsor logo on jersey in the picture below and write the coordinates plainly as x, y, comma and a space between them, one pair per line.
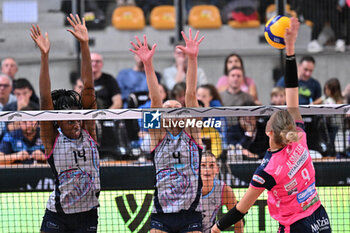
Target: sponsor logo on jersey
294, 167
290, 185
258, 179
307, 193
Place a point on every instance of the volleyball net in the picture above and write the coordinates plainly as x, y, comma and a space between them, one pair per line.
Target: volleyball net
233, 140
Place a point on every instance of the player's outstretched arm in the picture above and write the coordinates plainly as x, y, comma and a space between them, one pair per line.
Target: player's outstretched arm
146, 56
47, 130
291, 76
191, 50
80, 32
88, 97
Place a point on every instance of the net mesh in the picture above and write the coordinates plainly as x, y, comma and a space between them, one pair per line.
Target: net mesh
122, 176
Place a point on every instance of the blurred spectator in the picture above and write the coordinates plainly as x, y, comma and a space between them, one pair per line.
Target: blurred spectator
332, 92
9, 67
309, 88
248, 84
5, 91
234, 96
248, 138
278, 96
78, 86
178, 92
133, 80
23, 145
320, 12
106, 88
346, 94
177, 72
23, 91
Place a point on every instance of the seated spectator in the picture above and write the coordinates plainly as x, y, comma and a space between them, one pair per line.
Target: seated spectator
22, 89
309, 88
9, 67
5, 91
177, 73
106, 88
278, 96
248, 84
178, 92
133, 80
332, 92
234, 96
22, 145
248, 136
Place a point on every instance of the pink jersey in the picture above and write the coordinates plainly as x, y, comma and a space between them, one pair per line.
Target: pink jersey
289, 175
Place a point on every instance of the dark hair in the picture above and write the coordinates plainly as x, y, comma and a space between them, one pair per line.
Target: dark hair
213, 91
226, 71
22, 83
308, 59
334, 87
66, 99
177, 89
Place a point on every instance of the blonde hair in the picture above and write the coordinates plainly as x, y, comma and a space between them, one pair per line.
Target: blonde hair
277, 90
284, 128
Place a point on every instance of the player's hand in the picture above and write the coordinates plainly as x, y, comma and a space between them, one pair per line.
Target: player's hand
142, 50
79, 28
215, 229
192, 45
42, 42
292, 32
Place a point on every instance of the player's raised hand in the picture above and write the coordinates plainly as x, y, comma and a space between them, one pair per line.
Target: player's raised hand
192, 45
79, 28
292, 32
142, 51
42, 42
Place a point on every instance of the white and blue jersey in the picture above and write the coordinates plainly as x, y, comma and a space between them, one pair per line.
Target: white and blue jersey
212, 203
75, 165
178, 182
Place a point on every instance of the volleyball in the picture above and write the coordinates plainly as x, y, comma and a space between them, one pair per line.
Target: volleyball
275, 29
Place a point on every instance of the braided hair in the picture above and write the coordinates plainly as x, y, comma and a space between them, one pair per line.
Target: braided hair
66, 99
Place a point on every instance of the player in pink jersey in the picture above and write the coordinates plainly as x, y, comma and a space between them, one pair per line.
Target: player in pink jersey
286, 171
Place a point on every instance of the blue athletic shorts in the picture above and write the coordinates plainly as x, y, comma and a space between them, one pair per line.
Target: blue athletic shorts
177, 222
84, 222
318, 222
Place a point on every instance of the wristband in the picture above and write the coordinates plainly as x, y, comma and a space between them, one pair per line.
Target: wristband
229, 219
291, 76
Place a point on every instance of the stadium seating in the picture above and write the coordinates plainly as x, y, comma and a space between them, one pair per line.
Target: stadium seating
163, 17
128, 18
204, 16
